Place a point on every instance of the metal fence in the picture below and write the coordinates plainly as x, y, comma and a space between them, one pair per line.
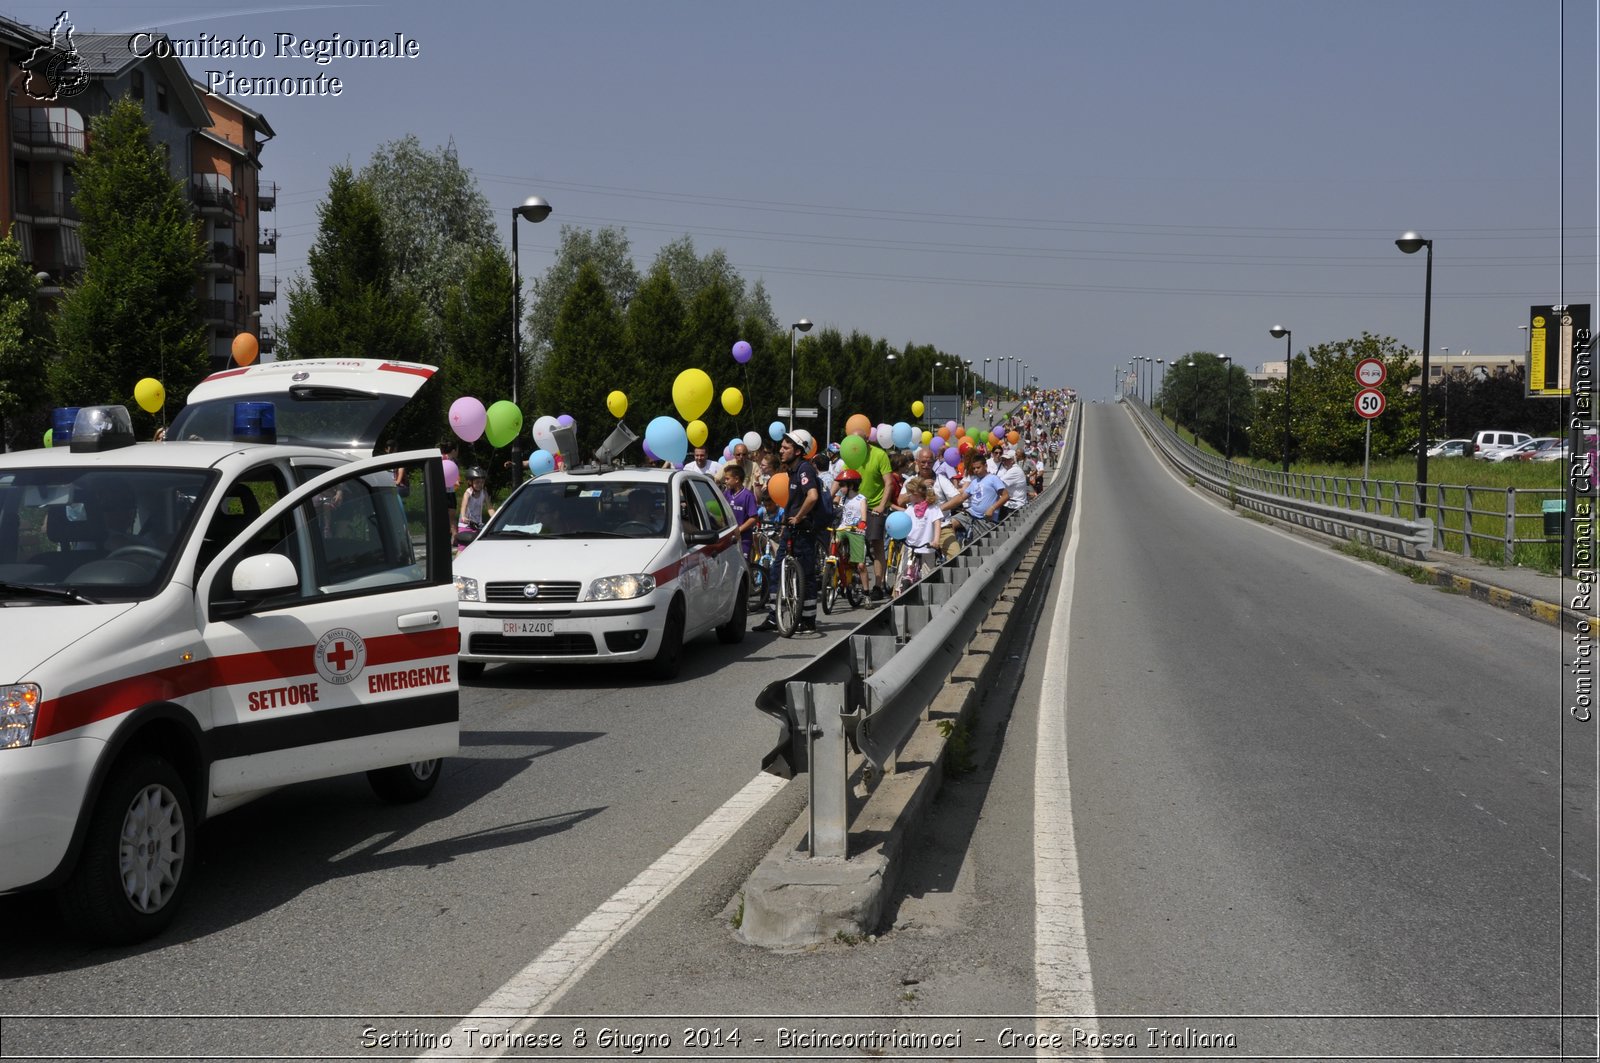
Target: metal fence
1483, 521
872, 689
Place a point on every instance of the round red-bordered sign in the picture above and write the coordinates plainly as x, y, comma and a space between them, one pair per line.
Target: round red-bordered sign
1369, 402
1370, 372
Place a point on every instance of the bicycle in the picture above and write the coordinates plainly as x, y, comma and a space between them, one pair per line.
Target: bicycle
894, 565
788, 586
833, 580
763, 559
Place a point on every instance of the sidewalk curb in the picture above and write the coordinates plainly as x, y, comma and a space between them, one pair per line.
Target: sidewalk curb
792, 900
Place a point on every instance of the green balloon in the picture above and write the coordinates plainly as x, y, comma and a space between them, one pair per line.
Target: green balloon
49, 437
503, 423
854, 452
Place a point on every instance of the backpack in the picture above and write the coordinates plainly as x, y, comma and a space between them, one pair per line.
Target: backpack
822, 514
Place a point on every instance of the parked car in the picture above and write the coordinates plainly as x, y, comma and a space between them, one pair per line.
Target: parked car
1451, 448
192, 624
1489, 441
1560, 451
602, 566
1530, 449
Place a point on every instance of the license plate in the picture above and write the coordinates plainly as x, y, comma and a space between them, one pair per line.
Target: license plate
528, 627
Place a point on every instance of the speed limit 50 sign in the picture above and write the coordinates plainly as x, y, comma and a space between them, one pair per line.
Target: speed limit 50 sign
1369, 402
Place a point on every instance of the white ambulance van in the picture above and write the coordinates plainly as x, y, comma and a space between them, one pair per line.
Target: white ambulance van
193, 623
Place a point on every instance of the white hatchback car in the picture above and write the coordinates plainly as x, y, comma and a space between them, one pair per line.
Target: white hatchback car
189, 625
602, 566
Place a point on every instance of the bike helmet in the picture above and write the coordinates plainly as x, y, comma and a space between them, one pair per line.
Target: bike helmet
801, 439
477, 472
849, 476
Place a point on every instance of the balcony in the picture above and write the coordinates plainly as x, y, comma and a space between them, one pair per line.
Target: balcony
225, 255
269, 291
212, 198
221, 312
267, 198
267, 341
48, 208
267, 243
41, 138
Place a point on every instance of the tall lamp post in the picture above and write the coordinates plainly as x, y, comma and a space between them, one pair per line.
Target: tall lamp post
535, 210
1446, 375
1288, 384
1160, 386
1227, 387
799, 326
1195, 427
986, 362
1410, 243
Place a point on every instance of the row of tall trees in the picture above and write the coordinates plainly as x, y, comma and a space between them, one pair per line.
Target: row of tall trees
1322, 421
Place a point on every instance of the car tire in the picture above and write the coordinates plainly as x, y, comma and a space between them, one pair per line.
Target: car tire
668, 660
123, 893
405, 783
470, 669
739, 622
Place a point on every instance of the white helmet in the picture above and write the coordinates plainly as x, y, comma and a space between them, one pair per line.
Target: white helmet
802, 439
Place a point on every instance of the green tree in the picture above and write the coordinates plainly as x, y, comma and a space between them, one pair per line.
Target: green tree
436, 221
585, 354
607, 250
476, 343
24, 348
1323, 423
351, 307
134, 312
654, 346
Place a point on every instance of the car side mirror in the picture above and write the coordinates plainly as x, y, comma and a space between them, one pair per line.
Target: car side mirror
262, 576
700, 536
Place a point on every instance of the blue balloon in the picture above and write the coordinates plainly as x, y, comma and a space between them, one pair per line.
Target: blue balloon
898, 525
667, 439
775, 430
902, 434
542, 462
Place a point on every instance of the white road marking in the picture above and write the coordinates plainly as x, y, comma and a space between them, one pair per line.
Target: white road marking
1063, 983
535, 989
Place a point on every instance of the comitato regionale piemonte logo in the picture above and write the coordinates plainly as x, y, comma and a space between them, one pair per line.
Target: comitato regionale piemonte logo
55, 70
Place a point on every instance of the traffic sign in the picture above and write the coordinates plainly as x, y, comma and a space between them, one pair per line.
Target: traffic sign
803, 413
1369, 402
829, 398
1370, 372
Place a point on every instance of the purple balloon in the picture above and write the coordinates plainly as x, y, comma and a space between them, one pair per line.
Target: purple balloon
648, 452
741, 352
565, 420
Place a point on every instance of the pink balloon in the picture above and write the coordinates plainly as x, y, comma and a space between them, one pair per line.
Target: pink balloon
452, 474
468, 418
741, 352
951, 426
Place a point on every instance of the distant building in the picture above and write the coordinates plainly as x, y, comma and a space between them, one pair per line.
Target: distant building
213, 146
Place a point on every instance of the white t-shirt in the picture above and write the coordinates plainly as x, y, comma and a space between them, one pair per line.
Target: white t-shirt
853, 514
924, 534
1016, 482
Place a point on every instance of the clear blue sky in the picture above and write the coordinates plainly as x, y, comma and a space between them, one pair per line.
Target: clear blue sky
1067, 182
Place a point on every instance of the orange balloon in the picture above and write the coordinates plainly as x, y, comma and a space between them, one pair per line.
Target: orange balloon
858, 422
813, 449
964, 445
245, 348
1012, 436
944, 433
778, 488
960, 431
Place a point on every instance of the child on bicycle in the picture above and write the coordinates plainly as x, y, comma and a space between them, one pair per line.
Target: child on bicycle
923, 540
852, 531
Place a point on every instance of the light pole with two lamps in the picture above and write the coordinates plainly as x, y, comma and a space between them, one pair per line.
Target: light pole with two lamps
1410, 243
802, 325
1288, 384
1227, 432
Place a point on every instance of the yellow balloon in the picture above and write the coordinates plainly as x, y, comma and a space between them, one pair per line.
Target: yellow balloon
617, 403
927, 437
691, 393
697, 432
917, 408
149, 394
732, 401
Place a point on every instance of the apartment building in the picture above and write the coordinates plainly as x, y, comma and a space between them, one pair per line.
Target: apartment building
55, 84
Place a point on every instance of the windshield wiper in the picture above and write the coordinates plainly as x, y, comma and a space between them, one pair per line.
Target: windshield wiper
29, 590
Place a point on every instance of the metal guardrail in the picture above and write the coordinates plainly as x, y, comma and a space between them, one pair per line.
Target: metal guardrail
1256, 490
872, 688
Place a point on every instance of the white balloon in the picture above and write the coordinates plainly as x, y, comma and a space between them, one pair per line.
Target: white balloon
885, 436
752, 440
544, 434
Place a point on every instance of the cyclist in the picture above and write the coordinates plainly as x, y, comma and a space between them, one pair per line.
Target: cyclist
805, 493
851, 533
875, 473
982, 495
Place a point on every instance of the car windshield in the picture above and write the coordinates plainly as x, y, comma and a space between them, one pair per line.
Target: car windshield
330, 417
92, 533
583, 509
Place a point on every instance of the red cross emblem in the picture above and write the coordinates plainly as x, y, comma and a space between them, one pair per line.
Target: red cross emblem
341, 655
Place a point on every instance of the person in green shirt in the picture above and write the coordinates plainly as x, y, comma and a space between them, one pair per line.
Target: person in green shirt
874, 476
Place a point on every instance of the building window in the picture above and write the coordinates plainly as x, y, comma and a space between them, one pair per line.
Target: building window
136, 89
161, 98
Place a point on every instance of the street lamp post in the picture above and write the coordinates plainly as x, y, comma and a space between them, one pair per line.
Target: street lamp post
1288, 385
1160, 386
1446, 375
799, 326
1410, 243
534, 210
1195, 427
933, 375
1227, 387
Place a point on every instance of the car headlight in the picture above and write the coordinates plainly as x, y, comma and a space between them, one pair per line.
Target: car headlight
19, 707
617, 588
466, 589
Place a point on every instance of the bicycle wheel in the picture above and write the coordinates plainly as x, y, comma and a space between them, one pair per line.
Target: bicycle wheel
830, 584
788, 592
853, 592
895, 566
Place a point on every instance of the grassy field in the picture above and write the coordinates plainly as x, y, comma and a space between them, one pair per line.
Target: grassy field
1452, 481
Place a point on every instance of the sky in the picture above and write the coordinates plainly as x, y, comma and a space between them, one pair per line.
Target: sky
1066, 183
